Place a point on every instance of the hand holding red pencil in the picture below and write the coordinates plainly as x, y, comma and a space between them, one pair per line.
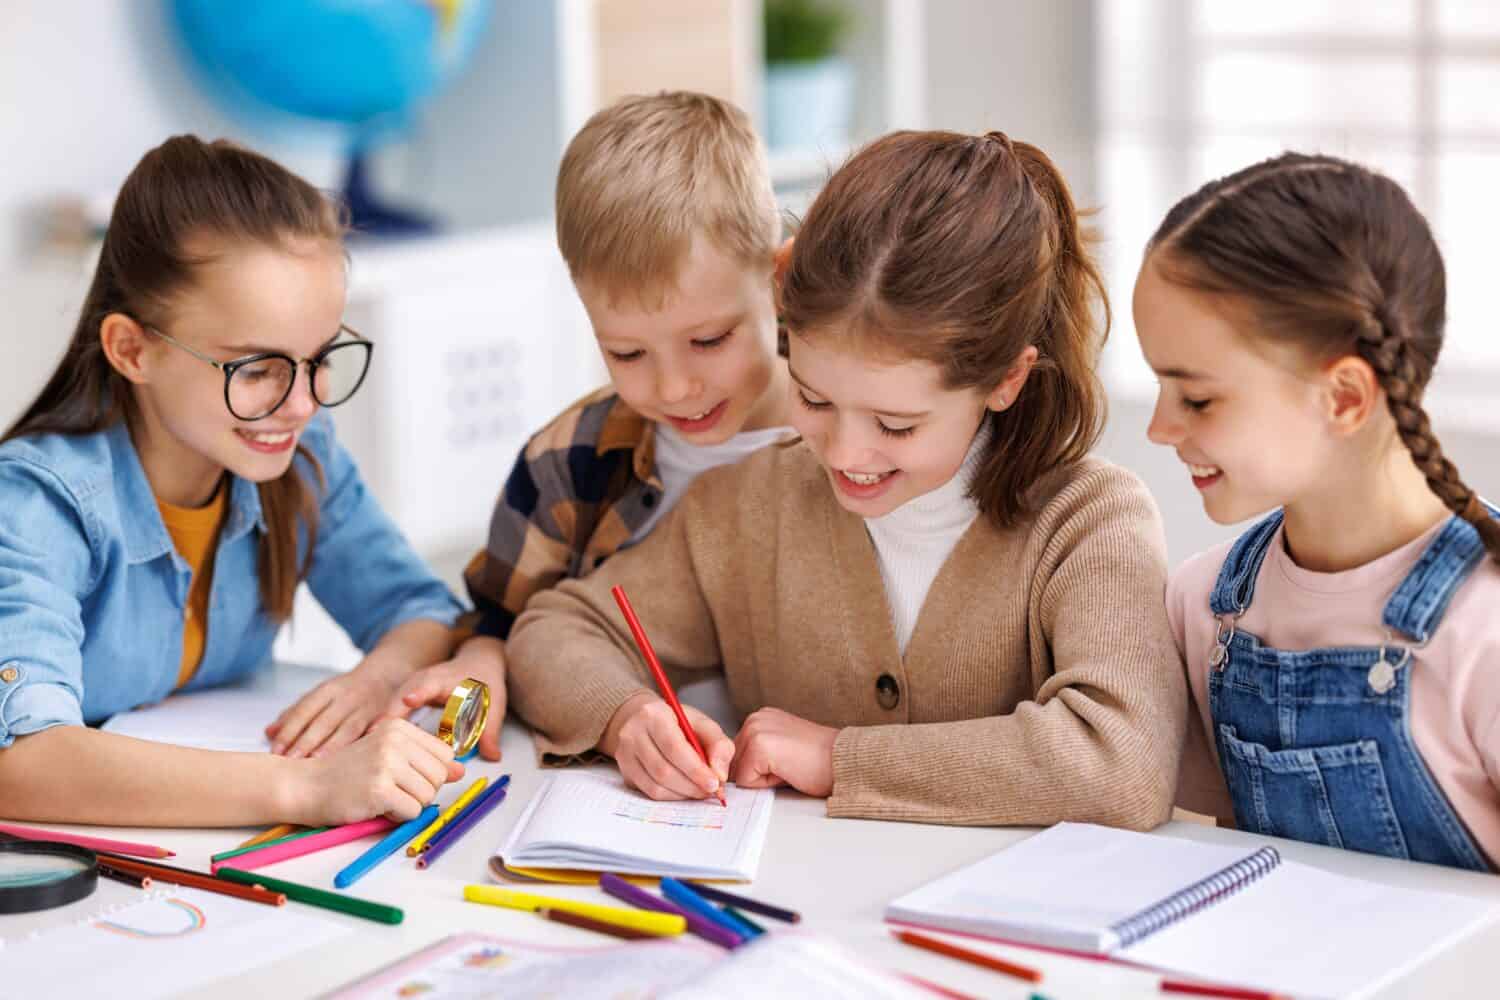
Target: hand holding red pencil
658, 744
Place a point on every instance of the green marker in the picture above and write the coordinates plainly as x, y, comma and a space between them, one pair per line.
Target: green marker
382, 912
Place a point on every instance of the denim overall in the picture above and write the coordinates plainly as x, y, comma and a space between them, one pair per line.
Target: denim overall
1316, 745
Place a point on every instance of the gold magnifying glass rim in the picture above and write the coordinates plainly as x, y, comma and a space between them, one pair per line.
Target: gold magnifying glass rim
448, 725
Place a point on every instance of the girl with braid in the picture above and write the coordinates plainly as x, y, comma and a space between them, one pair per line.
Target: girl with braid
1343, 652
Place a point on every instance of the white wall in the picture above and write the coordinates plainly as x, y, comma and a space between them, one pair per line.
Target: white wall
87, 89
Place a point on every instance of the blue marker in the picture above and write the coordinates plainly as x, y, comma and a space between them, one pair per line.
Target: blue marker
389, 844
683, 895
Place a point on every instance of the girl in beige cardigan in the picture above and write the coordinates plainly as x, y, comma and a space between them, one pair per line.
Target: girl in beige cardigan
934, 607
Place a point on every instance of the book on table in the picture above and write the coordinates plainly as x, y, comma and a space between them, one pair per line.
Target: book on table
589, 820
1231, 914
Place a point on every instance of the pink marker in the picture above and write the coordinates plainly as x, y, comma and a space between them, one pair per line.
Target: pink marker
305, 845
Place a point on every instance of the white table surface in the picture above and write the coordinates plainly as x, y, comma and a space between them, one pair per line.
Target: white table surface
838, 873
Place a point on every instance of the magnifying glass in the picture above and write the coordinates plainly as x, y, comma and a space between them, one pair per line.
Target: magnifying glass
41, 874
464, 716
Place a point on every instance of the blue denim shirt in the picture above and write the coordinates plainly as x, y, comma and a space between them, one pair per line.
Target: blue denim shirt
92, 591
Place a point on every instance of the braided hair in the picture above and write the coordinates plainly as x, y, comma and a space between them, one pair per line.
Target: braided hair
1336, 258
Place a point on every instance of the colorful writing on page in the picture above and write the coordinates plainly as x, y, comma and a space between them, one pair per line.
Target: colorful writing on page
470, 966
166, 942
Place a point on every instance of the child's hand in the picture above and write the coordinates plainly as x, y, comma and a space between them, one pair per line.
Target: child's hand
336, 712
392, 771
775, 747
644, 739
481, 658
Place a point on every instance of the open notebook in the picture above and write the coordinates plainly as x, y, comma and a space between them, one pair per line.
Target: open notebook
590, 820
1230, 914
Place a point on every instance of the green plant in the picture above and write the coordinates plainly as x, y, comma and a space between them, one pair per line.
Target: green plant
804, 30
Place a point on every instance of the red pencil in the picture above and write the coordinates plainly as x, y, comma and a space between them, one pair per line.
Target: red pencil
662, 684
964, 954
1206, 990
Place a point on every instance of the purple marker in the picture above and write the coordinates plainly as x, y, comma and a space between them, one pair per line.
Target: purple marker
641, 899
477, 810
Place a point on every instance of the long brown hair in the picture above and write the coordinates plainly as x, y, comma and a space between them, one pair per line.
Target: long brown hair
1332, 258
963, 251
187, 188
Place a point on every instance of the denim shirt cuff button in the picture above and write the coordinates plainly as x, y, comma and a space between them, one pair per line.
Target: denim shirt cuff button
10, 673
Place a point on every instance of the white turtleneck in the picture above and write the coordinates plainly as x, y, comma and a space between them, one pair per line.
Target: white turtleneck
914, 540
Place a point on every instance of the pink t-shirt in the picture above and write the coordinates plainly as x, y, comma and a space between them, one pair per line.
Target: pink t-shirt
1455, 682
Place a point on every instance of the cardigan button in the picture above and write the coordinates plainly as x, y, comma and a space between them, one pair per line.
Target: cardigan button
887, 692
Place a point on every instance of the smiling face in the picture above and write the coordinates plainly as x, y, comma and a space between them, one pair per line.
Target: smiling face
247, 299
1248, 418
703, 362
886, 432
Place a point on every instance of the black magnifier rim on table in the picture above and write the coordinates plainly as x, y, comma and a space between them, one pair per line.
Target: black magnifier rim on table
56, 892
464, 716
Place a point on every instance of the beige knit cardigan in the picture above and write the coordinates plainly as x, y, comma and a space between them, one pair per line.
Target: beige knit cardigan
1041, 683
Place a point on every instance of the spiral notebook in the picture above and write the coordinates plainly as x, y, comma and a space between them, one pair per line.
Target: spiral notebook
1240, 915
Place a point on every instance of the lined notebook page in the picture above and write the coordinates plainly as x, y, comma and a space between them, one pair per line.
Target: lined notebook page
1065, 886
1310, 932
589, 819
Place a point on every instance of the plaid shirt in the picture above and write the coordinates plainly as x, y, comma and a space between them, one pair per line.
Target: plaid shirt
579, 489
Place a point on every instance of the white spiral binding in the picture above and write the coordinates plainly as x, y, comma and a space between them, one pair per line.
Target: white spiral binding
1196, 896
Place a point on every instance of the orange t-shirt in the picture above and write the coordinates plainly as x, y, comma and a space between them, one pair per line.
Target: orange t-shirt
195, 534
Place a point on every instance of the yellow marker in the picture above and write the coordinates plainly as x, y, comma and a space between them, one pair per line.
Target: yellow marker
650, 921
419, 843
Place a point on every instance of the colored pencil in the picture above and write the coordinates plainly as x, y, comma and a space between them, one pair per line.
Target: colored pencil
660, 924
267, 835
942, 991
709, 930
1207, 990
745, 903
967, 955
389, 844
662, 684
296, 834
683, 895
381, 912
467, 820
756, 929
128, 878
419, 842
195, 880
269, 855
92, 843
592, 924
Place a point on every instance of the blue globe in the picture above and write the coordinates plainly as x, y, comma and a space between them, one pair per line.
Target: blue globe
365, 65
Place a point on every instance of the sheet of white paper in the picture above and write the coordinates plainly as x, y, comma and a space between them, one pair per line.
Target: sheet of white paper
171, 940
589, 819
1310, 933
471, 966
233, 717
794, 965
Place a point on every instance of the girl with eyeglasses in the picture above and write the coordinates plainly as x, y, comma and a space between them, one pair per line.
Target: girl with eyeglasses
166, 492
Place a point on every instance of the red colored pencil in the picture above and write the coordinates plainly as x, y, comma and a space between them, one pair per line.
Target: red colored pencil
965, 955
193, 880
1207, 990
662, 684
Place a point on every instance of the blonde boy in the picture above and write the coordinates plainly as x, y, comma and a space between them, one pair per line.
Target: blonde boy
668, 224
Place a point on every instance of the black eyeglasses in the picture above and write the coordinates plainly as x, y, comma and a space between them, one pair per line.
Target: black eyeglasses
256, 386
